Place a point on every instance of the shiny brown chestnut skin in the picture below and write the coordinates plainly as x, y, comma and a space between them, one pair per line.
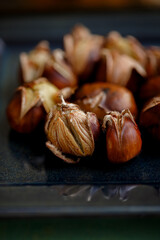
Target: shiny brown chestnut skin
59, 72
123, 138
29, 122
102, 97
153, 61
30, 103
57, 79
150, 117
150, 89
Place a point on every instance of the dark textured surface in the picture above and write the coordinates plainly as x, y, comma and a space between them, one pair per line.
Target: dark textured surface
24, 159
80, 228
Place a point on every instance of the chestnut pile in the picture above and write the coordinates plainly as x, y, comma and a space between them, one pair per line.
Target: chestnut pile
96, 83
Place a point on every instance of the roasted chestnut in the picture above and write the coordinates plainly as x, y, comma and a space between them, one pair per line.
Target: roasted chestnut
126, 45
82, 51
150, 117
30, 103
71, 133
123, 138
153, 61
102, 97
150, 89
32, 64
59, 72
120, 69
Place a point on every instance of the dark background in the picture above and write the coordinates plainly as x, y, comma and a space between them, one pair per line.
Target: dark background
45, 6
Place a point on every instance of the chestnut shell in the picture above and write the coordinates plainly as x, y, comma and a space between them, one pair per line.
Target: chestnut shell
31, 119
102, 97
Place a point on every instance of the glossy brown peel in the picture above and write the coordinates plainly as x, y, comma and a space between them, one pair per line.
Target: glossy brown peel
30, 103
123, 138
150, 117
102, 97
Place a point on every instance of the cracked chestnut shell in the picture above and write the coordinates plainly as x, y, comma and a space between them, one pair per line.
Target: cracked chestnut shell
59, 72
120, 69
102, 97
32, 64
150, 117
123, 138
83, 51
30, 103
71, 133
128, 45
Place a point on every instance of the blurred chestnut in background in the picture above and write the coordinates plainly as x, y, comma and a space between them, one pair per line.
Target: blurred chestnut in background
102, 97
58, 72
83, 51
151, 88
150, 117
120, 69
153, 61
126, 45
30, 103
32, 64
123, 138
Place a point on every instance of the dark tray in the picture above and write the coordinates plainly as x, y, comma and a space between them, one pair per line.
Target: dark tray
32, 180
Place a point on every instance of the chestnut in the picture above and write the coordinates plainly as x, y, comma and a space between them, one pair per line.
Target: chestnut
120, 69
30, 103
151, 88
27, 122
59, 72
102, 97
128, 45
123, 138
150, 115
71, 133
82, 51
32, 64
153, 61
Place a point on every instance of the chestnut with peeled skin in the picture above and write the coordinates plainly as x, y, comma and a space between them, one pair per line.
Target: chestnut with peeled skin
150, 117
59, 72
120, 69
71, 133
30, 103
123, 138
82, 51
102, 97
